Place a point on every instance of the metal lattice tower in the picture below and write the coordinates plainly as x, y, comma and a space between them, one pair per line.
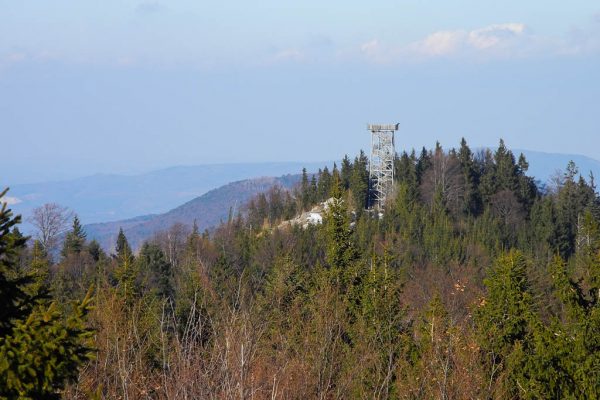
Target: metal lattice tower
381, 165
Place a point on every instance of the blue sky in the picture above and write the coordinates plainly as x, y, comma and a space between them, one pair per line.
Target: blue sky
128, 86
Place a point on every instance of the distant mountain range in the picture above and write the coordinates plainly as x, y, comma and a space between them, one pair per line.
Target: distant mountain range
102, 197
544, 165
207, 210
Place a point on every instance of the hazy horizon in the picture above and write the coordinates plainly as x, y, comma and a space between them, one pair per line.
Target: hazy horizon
131, 86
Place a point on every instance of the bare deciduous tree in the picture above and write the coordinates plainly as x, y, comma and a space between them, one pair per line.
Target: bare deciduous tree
51, 220
446, 176
172, 242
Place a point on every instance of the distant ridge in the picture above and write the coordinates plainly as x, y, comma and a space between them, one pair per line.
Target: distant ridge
109, 197
544, 165
208, 210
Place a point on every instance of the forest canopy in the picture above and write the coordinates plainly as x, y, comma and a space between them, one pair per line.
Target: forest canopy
474, 282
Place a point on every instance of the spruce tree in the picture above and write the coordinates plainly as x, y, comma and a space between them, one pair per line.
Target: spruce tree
41, 346
346, 172
505, 320
304, 191
472, 198
75, 239
158, 270
359, 182
122, 247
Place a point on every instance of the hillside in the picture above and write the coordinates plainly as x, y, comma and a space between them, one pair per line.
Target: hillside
208, 210
103, 197
472, 281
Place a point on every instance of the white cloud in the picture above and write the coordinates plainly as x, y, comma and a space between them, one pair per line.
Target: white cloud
11, 200
316, 48
440, 43
494, 35
370, 47
493, 41
511, 40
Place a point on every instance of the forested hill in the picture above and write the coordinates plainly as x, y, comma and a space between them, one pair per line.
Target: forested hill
474, 283
111, 197
207, 210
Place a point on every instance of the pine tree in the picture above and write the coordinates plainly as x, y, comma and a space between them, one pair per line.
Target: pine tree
305, 195
472, 199
377, 332
346, 172
506, 169
75, 239
359, 182
324, 184
95, 251
153, 262
41, 347
122, 248
505, 319
313, 190
39, 268
340, 249
423, 164
489, 184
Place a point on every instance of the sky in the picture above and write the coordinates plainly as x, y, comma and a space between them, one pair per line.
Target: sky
120, 86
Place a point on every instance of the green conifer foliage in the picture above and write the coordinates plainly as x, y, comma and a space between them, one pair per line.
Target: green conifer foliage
39, 268
75, 239
126, 274
158, 270
122, 247
95, 251
378, 332
324, 184
504, 318
358, 182
472, 197
340, 248
346, 172
41, 346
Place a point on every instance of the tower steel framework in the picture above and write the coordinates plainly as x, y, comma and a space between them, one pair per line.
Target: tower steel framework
381, 164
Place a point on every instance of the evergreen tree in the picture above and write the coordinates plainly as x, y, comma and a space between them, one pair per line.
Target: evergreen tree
126, 275
324, 184
95, 251
405, 170
305, 195
505, 319
340, 248
39, 268
346, 172
313, 190
122, 248
378, 332
41, 347
74, 240
472, 199
423, 164
527, 190
359, 182
505, 168
159, 271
